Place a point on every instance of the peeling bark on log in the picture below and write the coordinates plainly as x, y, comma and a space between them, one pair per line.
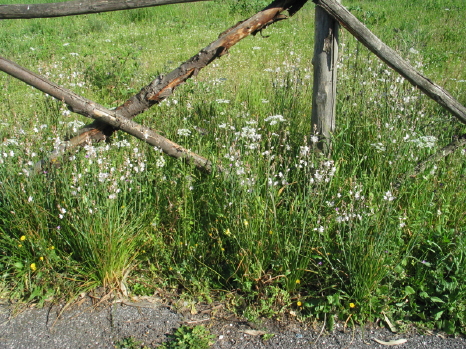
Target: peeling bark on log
163, 86
79, 7
102, 115
391, 58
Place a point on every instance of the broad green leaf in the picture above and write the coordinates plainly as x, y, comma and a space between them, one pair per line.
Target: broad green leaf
409, 290
19, 265
436, 299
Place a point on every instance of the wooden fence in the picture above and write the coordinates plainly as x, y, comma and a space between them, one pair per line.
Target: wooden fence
329, 13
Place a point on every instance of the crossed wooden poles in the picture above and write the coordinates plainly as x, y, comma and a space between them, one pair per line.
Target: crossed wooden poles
108, 121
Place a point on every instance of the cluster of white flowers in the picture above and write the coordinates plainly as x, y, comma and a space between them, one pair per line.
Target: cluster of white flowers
62, 212
227, 126
325, 173
279, 178
75, 125
249, 133
184, 132
122, 144
425, 141
347, 217
304, 150
380, 147
160, 162
389, 196
274, 119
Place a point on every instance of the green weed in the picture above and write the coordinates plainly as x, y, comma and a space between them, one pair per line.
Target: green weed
197, 337
129, 343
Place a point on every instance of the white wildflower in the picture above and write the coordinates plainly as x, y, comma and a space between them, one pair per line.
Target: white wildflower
389, 196
303, 151
184, 132
122, 144
275, 119
160, 162
425, 141
250, 133
379, 147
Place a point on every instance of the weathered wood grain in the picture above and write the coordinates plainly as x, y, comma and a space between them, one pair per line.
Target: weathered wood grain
78, 7
325, 78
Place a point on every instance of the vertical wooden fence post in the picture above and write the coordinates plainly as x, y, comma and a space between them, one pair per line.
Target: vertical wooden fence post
325, 78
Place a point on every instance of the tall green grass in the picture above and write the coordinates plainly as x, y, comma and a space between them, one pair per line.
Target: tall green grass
280, 228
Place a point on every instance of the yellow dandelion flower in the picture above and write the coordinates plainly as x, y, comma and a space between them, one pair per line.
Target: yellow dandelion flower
20, 245
298, 281
41, 258
246, 223
299, 304
352, 305
22, 238
227, 232
33, 266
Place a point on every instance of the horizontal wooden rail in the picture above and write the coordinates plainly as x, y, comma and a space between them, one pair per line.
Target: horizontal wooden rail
78, 7
391, 58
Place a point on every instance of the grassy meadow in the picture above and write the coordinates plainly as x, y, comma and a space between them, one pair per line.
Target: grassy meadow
282, 229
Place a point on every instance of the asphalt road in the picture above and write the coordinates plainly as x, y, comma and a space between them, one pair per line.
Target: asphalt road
89, 326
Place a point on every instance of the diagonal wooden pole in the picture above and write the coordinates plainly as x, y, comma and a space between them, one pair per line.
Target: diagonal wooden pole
164, 85
393, 59
93, 110
107, 121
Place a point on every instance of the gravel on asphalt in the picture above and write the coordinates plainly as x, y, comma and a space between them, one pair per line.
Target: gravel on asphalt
90, 326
